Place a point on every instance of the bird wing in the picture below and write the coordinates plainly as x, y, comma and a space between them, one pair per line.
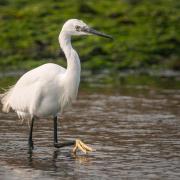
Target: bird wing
27, 90
44, 72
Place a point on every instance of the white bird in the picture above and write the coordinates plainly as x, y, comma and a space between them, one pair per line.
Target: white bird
48, 89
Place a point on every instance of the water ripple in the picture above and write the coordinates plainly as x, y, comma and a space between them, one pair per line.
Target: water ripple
135, 137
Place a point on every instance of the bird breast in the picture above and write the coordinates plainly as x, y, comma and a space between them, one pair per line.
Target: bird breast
70, 90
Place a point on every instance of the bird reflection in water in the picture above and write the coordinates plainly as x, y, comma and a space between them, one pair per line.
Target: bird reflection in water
59, 159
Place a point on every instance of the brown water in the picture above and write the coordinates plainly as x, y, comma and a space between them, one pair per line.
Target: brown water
136, 135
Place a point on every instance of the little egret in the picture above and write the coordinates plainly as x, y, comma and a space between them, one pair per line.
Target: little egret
48, 89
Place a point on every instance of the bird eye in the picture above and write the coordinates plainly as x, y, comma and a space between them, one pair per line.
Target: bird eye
77, 28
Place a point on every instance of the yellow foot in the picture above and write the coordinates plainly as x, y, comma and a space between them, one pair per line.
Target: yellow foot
83, 147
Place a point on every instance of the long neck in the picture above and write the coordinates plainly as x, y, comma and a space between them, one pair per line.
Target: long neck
73, 62
72, 74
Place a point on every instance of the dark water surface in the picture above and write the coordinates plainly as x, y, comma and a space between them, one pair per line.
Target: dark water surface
136, 134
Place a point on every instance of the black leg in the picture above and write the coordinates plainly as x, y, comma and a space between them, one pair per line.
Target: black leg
55, 130
30, 141
56, 144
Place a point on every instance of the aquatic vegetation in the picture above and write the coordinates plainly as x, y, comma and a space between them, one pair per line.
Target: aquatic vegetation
146, 33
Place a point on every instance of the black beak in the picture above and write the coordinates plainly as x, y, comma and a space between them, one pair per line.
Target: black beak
93, 31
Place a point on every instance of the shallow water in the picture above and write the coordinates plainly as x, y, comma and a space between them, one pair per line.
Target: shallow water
135, 131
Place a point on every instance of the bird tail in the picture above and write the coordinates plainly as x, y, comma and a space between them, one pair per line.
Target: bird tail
4, 99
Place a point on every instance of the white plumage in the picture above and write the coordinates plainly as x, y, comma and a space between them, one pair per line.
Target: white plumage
48, 89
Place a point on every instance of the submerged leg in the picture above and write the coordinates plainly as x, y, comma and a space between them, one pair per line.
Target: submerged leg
30, 141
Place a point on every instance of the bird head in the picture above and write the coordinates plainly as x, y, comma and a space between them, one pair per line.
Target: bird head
78, 27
